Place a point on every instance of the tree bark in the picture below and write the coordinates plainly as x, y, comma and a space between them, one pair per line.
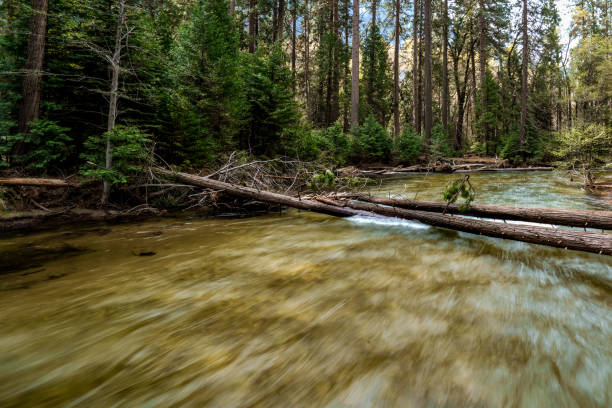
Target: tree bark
428, 90
293, 39
30, 97
280, 23
416, 105
307, 57
482, 55
555, 216
37, 182
445, 101
355, 69
524, 77
396, 119
115, 66
599, 243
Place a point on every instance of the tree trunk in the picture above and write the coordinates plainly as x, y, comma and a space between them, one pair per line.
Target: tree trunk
345, 82
374, 11
445, 102
355, 69
307, 57
293, 39
555, 216
415, 70
30, 103
232, 8
396, 119
280, 23
482, 55
33, 182
599, 243
115, 67
428, 91
252, 24
524, 77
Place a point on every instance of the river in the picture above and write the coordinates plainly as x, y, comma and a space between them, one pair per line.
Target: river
307, 310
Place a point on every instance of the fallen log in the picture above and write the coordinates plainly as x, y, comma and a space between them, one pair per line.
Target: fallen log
37, 182
260, 195
506, 169
571, 218
570, 239
599, 243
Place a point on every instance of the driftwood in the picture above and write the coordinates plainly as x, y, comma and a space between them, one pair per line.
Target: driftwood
440, 168
595, 242
562, 238
261, 195
487, 168
572, 218
38, 182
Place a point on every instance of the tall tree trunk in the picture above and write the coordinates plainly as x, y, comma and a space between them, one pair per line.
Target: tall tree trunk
374, 12
461, 97
115, 67
355, 68
472, 106
274, 20
345, 82
293, 39
524, 76
396, 119
232, 8
445, 101
280, 23
30, 103
335, 66
428, 91
482, 54
416, 105
307, 57
252, 24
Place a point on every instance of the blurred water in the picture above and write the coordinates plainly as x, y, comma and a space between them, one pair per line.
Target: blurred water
303, 309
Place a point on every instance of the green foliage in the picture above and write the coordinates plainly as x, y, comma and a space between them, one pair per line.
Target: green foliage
329, 145
207, 102
376, 77
45, 146
460, 188
440, 147
584, 146
320, 181
271, 110
408, 145
371, 141
478, 148
129, 152
532, 148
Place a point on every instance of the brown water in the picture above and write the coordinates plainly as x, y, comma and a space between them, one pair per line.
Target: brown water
304, 310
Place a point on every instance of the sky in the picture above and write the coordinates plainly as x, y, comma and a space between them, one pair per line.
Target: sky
565, 11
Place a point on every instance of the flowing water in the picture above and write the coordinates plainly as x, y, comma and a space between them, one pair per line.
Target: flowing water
307, 310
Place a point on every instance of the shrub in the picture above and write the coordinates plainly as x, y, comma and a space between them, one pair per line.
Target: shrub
586, 146
409, 145
439, 142
130, 152
371, 141
46, 145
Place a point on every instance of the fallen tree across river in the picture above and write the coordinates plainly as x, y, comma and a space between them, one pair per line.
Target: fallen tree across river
600, 243
555, 216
